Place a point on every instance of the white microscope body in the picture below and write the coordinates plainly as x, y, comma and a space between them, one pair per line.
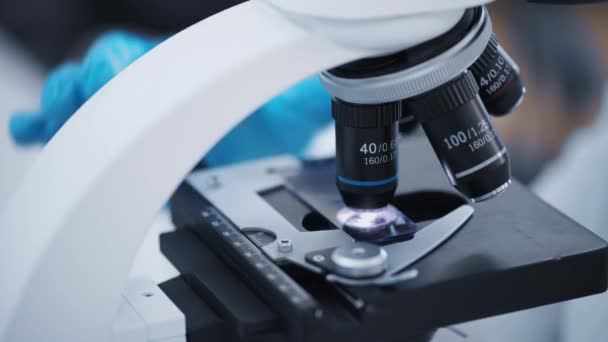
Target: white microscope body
71, 231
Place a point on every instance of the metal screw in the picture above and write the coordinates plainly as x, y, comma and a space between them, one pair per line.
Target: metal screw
285, 246
213, 182
318, 258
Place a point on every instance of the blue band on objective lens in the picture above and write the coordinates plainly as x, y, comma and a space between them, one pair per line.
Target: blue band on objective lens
368, 183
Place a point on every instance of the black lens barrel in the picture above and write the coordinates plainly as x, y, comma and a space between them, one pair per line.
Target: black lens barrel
366, 152
501, 86
463, 137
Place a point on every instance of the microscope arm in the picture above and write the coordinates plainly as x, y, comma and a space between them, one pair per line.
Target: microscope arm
72, 229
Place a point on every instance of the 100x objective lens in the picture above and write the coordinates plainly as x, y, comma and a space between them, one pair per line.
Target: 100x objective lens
464, 138
366, 152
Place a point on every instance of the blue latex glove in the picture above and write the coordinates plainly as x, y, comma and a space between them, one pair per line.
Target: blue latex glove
283, 125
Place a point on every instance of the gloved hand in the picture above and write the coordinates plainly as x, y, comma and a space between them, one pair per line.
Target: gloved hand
284, 125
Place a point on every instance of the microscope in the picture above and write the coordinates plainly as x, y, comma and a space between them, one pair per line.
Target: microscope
382, 242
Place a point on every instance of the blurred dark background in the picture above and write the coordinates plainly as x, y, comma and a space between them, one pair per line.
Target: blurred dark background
57, 29
563, 53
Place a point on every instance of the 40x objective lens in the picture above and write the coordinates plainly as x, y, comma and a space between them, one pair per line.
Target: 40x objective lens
463, 137
366, 152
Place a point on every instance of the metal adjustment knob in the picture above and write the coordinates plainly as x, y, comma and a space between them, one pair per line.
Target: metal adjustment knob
360, 260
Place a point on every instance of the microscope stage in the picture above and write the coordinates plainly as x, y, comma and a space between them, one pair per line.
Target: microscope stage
246, 232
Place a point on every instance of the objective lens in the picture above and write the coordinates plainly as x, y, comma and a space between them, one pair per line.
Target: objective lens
366, 152
463, 137
499, 80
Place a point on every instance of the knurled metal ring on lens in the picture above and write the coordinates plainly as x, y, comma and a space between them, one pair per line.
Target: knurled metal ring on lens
418, 79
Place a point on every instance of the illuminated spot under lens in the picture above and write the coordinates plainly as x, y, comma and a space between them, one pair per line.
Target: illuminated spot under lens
370, 220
